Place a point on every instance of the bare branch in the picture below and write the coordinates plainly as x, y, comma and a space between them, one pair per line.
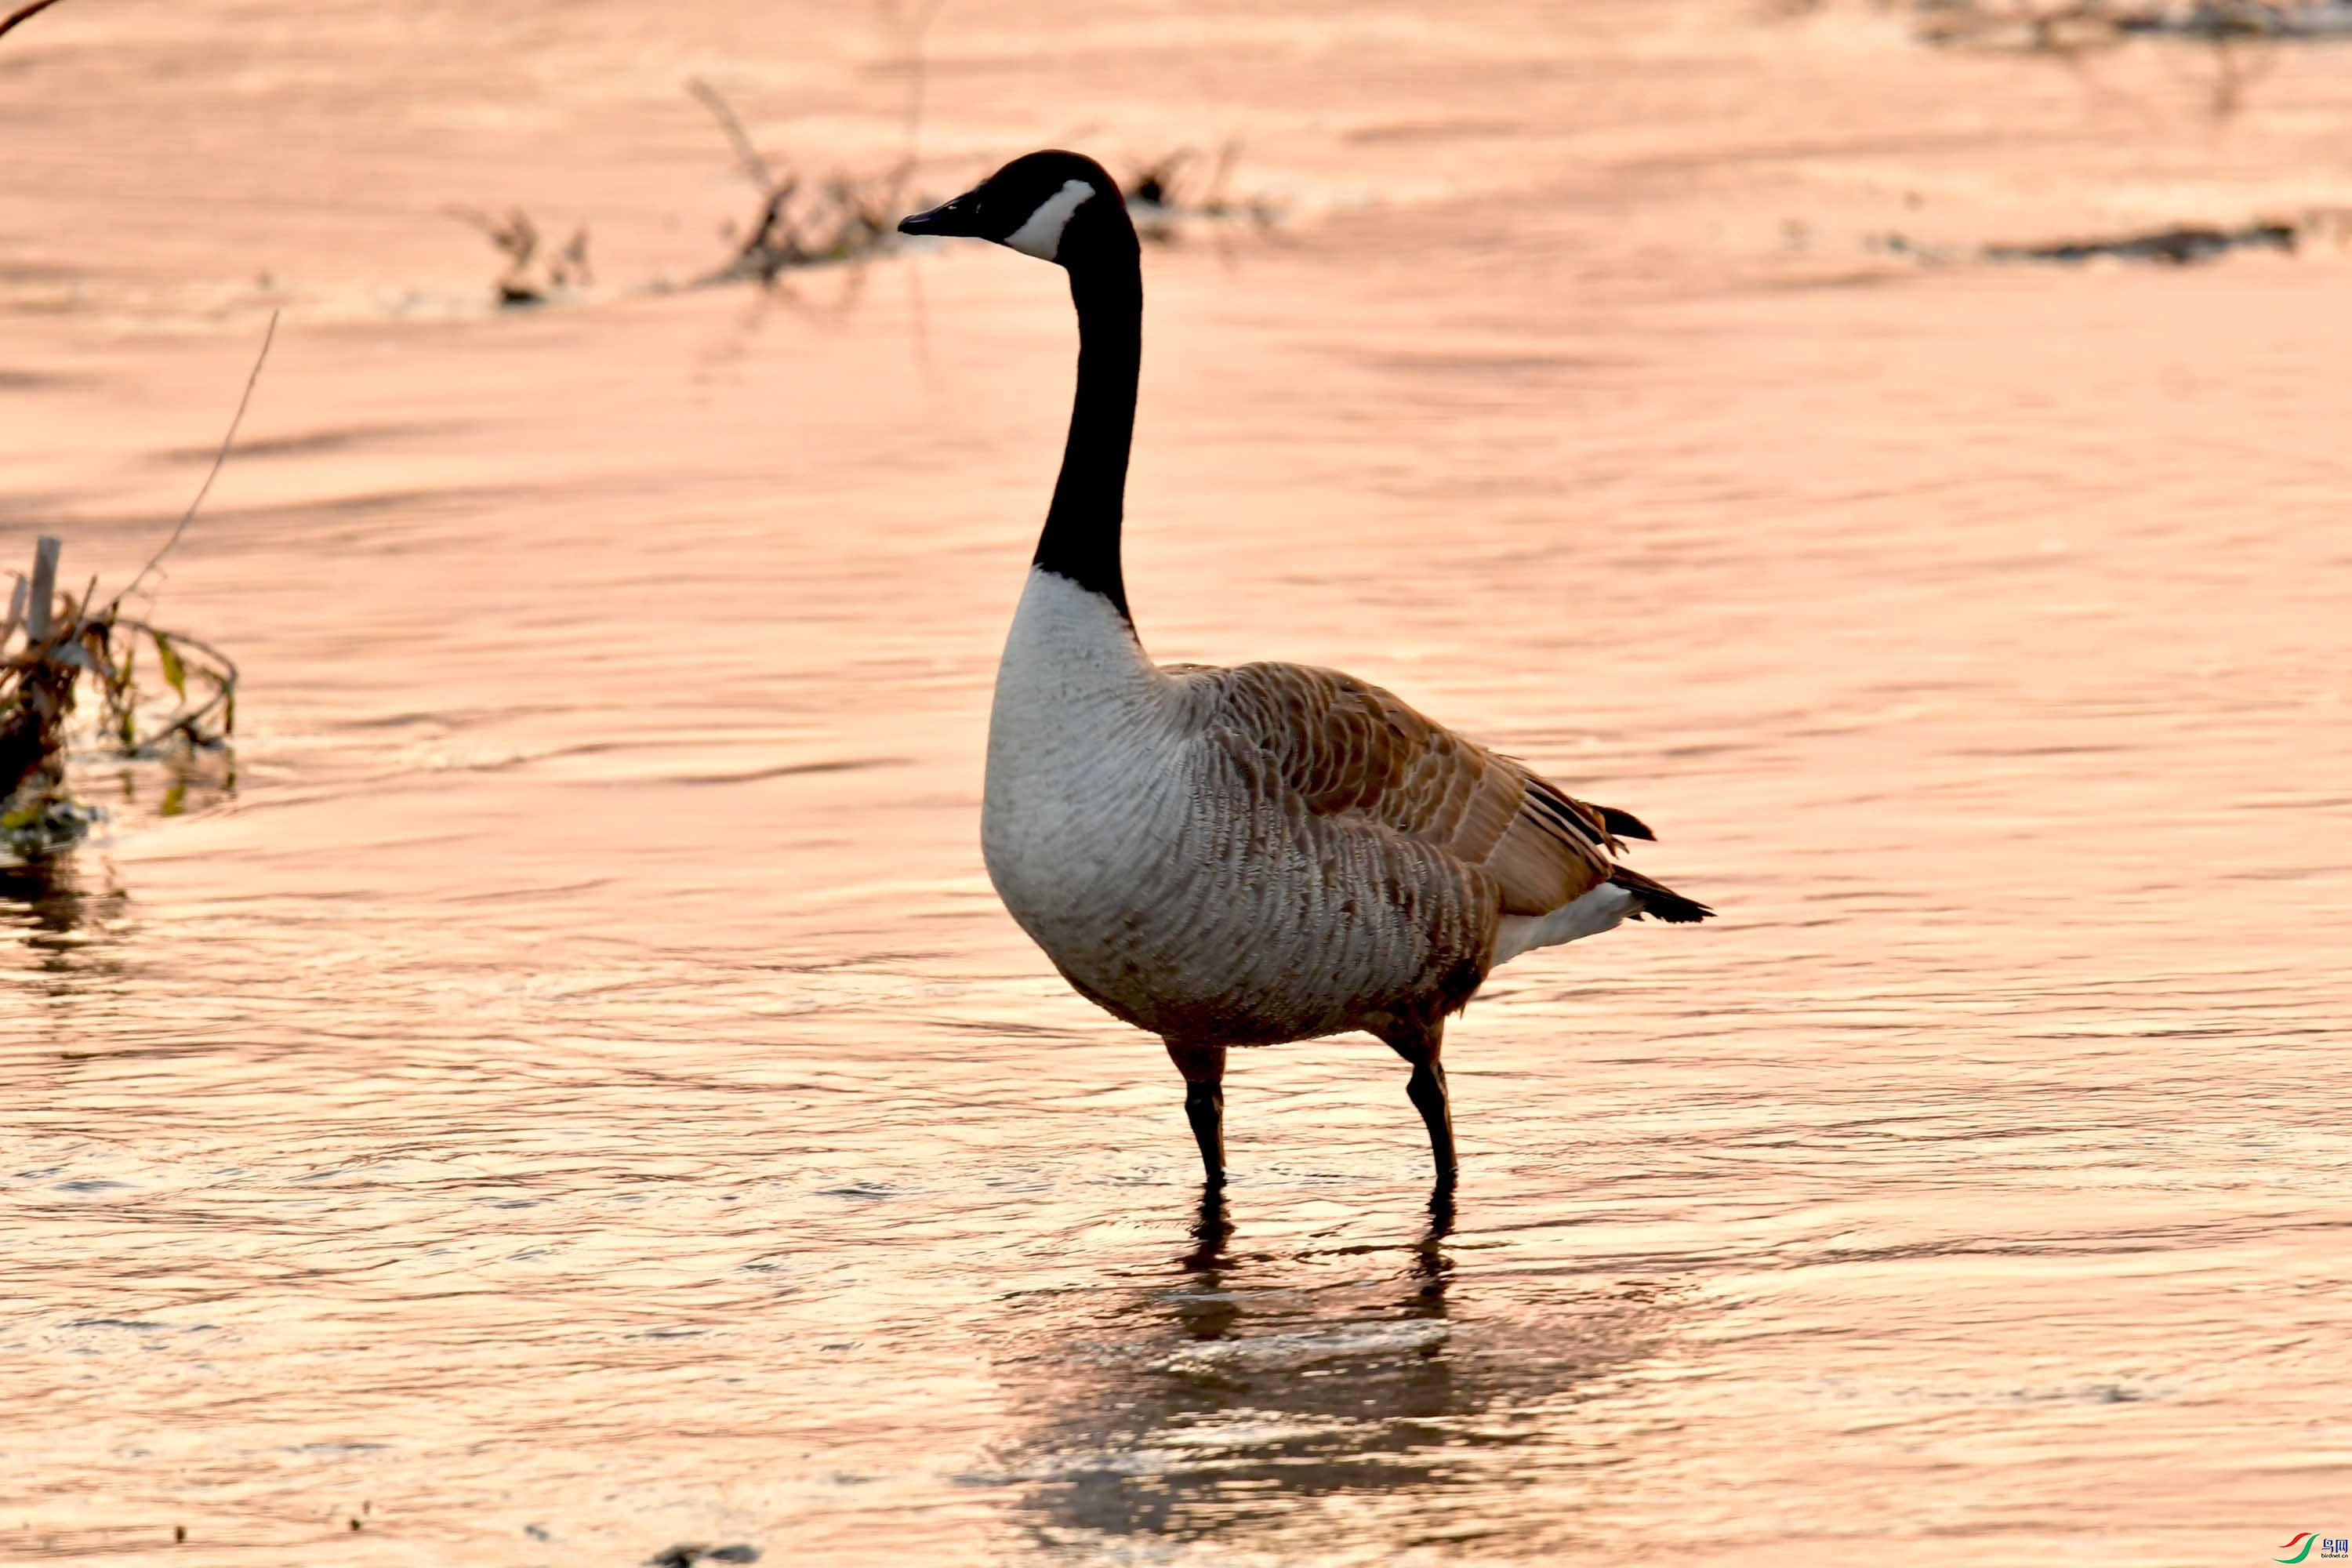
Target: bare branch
219, 457
514, 236
911, 23
25, 14
755, 164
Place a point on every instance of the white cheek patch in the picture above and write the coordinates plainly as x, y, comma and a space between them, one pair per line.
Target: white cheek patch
1041, 237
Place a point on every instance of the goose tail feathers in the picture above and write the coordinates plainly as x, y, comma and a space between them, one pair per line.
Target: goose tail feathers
1655, 899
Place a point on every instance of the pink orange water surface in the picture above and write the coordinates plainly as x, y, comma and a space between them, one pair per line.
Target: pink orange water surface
576, 1093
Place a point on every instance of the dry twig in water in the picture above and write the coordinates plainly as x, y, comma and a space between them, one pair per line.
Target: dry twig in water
66, 638
533, 275
849, 217
2242, 34
24, 13
220, 456
1161, 198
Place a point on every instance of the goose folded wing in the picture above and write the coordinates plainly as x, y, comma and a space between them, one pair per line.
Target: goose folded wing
1350, 751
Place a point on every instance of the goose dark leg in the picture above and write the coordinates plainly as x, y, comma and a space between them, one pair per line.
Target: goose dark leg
1420, 1044
1204, 1067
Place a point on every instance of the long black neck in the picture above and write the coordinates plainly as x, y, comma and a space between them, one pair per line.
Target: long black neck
1081, 537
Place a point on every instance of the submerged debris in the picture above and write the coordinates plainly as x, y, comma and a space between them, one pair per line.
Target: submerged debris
2181, 244
689, 1553
533, 273
1161, 197
2055, 27
803, 222
55, 645
808, 221
2173, 247
70, 644
2238, 35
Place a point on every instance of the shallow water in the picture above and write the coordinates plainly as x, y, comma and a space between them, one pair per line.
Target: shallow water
577, 1092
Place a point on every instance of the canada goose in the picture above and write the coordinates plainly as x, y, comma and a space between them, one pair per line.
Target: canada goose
1247, 856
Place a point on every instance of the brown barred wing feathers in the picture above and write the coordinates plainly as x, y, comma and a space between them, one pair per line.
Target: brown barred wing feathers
1349, 750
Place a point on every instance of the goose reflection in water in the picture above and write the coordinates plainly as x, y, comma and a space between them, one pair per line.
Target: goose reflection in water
1262, 1394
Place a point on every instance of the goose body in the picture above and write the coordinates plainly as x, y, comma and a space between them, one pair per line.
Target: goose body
1144, 827
1245, 856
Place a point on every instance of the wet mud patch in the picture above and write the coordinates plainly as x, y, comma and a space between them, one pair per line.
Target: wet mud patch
2177, 245
690, 1553
2090, 24
2240, 41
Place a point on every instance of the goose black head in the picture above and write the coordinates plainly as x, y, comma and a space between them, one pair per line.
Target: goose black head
1057, 207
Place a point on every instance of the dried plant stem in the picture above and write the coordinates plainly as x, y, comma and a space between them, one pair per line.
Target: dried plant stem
184, 721
25, 14
43, 590
69, 639
755, 164
912, 24
227, 440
